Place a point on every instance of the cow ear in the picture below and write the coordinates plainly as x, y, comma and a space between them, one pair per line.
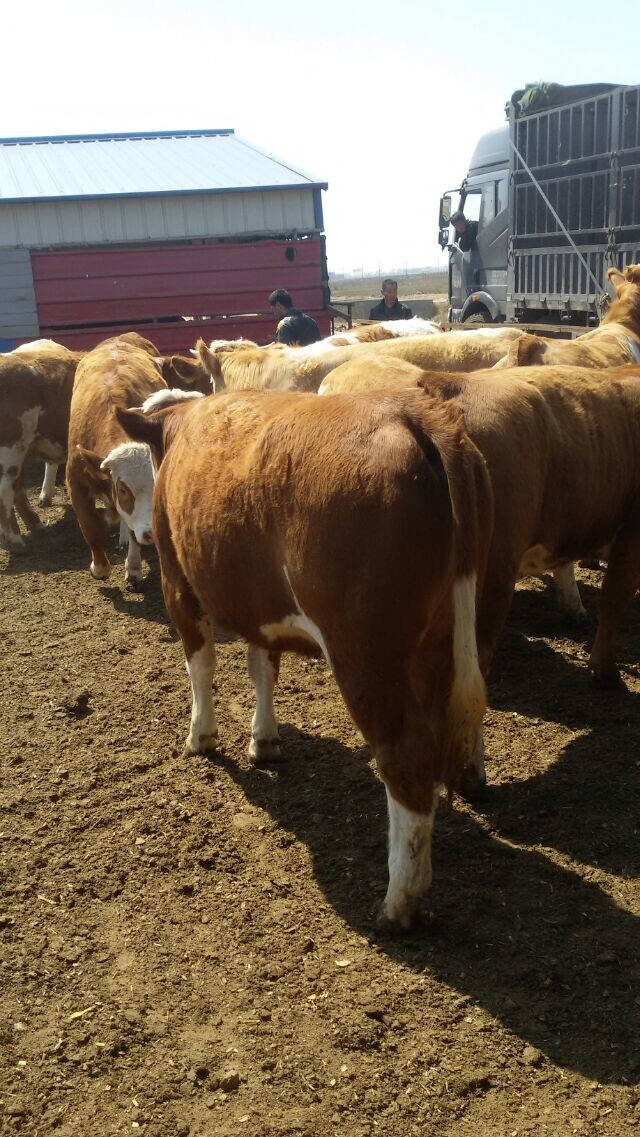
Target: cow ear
632, 274
523, 351
188, 371
90, 465
617, 279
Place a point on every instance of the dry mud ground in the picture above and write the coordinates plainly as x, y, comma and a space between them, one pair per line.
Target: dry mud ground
189, 944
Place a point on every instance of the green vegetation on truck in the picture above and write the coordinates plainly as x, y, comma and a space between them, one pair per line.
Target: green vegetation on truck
551, 201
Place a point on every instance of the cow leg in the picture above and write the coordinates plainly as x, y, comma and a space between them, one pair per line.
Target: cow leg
196, 633
124, 535
201, 663
89, 521
265, 741
567, 592
409, 861
133, 564
10, 466
493, 608
23, 507
621, 579
474, 777
49, 483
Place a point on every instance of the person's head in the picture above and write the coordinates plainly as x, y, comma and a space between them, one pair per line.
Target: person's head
389, 290
459, 221
279, 302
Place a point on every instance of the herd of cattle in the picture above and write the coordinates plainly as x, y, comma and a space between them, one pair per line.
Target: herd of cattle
383, 525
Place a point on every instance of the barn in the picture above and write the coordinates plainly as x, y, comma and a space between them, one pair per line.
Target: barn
175, 234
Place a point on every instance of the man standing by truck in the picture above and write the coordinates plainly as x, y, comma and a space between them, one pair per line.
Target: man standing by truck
390, 307
294, 326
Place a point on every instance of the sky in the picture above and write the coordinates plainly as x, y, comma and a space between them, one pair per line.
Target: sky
384, 101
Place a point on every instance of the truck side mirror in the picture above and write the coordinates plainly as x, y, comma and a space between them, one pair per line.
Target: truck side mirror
445, 211
443, 237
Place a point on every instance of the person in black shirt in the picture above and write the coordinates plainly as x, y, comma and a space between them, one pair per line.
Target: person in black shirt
390, 307
294, 326
466, 231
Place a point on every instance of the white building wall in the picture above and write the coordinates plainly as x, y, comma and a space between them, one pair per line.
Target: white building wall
158, 218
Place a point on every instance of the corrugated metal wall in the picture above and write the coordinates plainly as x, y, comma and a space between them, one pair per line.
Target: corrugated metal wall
18, 314
156, 218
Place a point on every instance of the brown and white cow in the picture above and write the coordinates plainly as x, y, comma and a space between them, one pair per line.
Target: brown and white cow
562, 445
103, 463
280, 368
353, 527
614, 342
36, 382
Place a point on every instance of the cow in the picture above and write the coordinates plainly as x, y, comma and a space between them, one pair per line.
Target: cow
103, 463
614, 342
562, 445
36, 382
352, 527
282, 368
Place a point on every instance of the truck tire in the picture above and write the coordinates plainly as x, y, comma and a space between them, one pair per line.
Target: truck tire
480, 316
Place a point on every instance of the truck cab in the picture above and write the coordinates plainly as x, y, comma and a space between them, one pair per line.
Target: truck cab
478, 277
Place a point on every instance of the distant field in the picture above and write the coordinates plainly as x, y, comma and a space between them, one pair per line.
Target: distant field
417, 284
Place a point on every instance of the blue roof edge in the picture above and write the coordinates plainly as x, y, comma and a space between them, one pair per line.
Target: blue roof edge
115, 136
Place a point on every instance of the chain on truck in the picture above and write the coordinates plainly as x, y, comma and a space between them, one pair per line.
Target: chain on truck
555, 193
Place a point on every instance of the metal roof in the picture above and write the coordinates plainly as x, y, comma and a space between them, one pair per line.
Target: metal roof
70, 167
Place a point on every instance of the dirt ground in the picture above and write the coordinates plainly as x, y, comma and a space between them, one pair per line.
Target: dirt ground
190, 944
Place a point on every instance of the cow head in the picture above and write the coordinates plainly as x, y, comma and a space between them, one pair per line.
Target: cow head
187, 374
131, 475
526, 351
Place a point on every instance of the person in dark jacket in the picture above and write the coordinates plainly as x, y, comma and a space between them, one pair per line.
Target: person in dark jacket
390, 307
466, 231
294, 326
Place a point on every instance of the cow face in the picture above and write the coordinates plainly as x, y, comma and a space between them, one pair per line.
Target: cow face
132, 477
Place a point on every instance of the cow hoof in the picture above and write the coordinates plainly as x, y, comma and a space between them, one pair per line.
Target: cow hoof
15, 544
573, 619
590, 563
473, 785
399, 921
609, 680
204, 744
45, 500
264, 750
100, 572
133, 583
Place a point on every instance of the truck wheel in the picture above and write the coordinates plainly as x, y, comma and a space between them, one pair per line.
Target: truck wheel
479, 317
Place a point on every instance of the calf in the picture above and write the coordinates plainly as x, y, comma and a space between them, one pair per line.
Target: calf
352, 527
36, 382
103, 463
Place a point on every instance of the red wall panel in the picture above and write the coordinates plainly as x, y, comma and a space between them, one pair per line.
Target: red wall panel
109, 286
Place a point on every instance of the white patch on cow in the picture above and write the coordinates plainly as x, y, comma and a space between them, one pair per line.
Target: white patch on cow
265, 739
203, 733
49, 483
133, 561
416, 326
536, 560
634, 348
486, 332
131, 463
298, 624
123, 535
35, 345
166, 398
567, 590
409, 861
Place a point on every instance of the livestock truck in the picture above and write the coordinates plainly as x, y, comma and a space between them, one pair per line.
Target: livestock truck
555, 193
